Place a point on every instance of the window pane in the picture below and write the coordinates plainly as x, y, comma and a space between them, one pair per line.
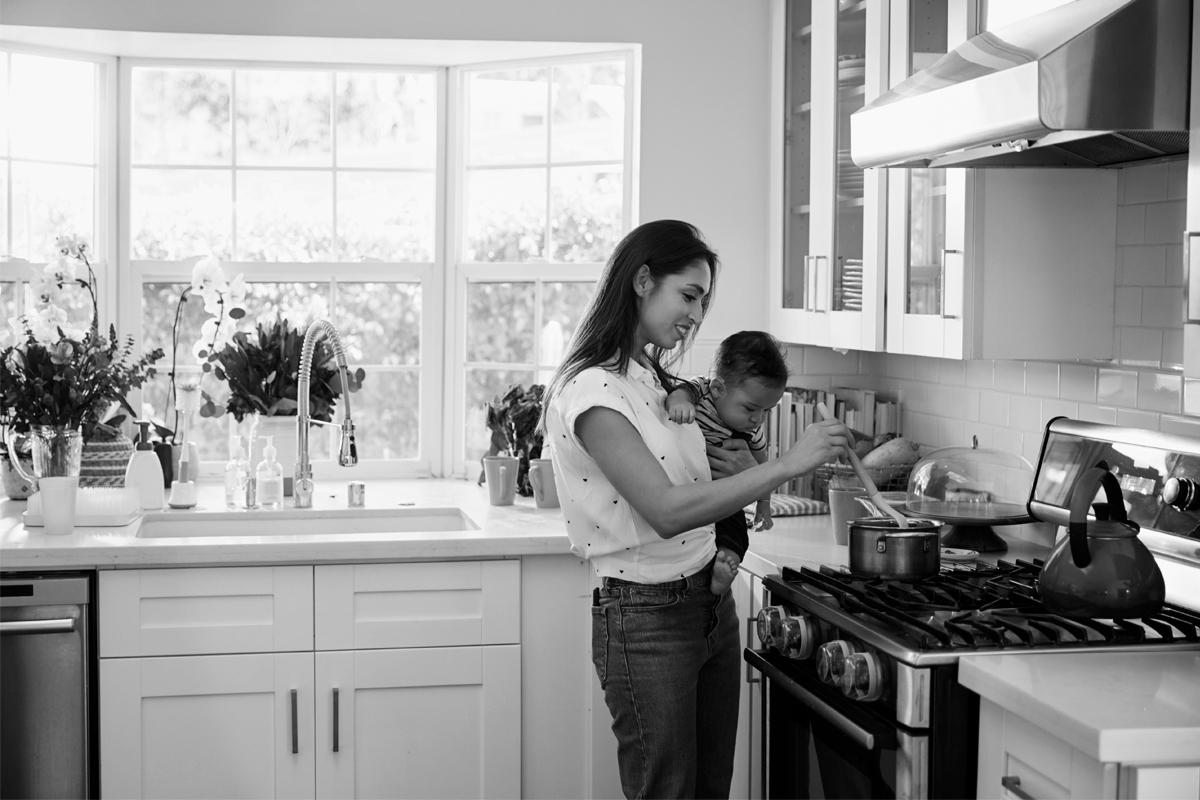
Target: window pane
50, 200
562, 308
211, 434
507, 117
5, 250
159, 304
506, 215
300, 303
176, 213
283, 118
585, 204
386, 119
500, 322
3, 103
482, 385
181, 116
387, 216
284, 216
589, 112
386, 412
53, 109
380, 323
8, 309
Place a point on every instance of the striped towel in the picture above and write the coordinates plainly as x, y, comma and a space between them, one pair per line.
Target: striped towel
787, 505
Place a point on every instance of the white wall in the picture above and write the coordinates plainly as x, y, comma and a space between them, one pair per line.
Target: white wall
704, 90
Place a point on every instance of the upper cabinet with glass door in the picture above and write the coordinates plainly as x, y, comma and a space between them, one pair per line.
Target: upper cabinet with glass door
827, 234
992, 263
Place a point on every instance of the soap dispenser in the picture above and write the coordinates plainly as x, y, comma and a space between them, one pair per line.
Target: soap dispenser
270, 478
144, 471
235, 474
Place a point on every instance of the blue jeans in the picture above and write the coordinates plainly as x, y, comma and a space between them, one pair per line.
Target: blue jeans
668, 658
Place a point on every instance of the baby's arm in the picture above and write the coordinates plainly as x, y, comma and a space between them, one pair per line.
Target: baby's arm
681, 405
762, 510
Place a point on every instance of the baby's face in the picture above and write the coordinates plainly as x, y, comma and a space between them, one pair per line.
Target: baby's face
744, 406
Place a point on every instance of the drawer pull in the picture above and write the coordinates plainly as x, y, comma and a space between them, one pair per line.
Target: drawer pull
751, 672
335, 720
295, 726
1013, 784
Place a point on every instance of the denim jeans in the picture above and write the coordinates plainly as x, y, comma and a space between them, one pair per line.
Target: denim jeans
668, 658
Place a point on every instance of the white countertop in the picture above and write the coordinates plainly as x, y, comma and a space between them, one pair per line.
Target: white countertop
1124, 707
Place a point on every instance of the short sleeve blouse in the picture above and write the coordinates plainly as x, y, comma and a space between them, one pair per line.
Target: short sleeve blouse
601, 524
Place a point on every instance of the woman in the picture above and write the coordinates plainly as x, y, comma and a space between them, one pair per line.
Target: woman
640, 503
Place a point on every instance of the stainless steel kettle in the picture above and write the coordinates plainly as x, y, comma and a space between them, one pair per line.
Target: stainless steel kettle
1101, 569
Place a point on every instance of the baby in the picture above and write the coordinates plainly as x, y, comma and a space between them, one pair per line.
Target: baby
751, 374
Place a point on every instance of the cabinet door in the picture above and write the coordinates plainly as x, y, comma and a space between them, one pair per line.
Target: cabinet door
1191, 237
826, 288
927, 208
436, 722
433, 604
207, 726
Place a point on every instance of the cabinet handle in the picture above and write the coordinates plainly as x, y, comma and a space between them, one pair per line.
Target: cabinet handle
808, 285
295, 726
1191, 301
751, 672
946, 251
822, 289
1013, 784
335, 720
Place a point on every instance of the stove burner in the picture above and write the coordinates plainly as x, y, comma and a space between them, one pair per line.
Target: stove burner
985, 607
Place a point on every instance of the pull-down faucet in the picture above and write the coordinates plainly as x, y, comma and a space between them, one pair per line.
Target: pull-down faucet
302, 489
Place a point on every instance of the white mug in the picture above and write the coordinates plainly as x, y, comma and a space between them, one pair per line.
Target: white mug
541, 478
501, 475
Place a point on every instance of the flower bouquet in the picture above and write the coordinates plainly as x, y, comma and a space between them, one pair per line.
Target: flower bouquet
512, 419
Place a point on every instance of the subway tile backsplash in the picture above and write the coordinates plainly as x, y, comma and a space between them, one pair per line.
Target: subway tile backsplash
1006, 404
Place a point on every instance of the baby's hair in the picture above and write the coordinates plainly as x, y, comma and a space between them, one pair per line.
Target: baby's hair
751, 354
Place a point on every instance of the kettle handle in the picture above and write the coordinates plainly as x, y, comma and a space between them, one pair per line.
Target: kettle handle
1081, 500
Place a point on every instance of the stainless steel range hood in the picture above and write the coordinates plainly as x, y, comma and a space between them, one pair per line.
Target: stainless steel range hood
1090, 83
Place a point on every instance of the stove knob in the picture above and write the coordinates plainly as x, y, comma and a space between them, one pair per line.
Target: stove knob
831, 660
1182, 493
768, 624
797, 635
863, 677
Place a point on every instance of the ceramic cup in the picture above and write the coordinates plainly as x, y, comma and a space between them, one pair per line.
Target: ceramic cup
843, 507
58, 504
541, 478
501, 475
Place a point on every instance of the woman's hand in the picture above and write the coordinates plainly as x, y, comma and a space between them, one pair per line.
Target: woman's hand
731, 458
820, 443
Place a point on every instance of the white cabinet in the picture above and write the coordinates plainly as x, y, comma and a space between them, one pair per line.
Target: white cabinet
747, 771
827, 216
1191, 237
414, 691
1017, 759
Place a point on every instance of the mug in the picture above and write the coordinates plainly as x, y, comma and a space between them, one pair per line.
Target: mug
844, 507
541, 478
501, 477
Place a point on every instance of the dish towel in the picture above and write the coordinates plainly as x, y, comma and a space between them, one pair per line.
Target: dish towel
787, 505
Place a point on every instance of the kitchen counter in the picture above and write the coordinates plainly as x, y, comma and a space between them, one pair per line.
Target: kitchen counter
1119, 707
503, 531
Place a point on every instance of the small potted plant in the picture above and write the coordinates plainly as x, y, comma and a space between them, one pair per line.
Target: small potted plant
512, 419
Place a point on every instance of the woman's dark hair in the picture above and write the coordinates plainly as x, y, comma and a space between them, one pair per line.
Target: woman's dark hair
607, 330
751, 354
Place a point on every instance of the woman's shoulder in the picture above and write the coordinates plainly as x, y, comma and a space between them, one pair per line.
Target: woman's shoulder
593, 379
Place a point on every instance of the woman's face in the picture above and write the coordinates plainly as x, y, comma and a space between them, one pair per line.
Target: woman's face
671, 308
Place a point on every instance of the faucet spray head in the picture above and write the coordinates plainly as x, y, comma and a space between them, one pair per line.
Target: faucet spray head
348, 451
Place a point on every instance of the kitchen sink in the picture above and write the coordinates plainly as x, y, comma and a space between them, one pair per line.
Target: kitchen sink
303, 522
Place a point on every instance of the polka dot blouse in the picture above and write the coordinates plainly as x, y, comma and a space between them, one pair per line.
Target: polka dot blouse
601, 525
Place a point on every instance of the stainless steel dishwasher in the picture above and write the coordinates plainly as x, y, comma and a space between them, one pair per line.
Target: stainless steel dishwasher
47, 732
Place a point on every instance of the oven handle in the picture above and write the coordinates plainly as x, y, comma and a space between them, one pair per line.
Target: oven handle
868, 740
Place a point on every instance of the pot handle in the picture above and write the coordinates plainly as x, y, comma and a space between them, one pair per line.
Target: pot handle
1081, 500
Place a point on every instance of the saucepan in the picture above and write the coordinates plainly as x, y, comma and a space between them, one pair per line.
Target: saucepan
879, 548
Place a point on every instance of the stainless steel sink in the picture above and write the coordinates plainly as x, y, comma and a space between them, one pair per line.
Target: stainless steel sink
303, 522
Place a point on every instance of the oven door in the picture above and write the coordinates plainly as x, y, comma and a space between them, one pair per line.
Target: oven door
820, 743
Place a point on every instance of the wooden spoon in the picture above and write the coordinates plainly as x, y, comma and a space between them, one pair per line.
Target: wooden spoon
872, 492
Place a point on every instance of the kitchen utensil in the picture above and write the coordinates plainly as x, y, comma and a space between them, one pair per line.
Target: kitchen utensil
868, 484
878, 549
972, 488
1101, 568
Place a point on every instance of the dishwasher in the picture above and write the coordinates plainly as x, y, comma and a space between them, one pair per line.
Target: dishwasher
48, 719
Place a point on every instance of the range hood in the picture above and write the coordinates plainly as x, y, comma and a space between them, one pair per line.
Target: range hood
1090, 83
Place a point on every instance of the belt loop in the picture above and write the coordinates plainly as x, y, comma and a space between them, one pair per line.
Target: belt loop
596, 596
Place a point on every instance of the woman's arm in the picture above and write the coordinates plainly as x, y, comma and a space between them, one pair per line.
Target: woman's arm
635, 472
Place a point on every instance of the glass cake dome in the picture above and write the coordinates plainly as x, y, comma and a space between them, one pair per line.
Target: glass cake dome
973, 488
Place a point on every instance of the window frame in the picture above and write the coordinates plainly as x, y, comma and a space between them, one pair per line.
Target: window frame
539, 272
428, 274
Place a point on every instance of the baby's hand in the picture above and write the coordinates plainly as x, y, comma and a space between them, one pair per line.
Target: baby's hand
762, 516
681, 411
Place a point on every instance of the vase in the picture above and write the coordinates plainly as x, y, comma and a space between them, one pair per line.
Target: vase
282, 431
103, 462
16, 487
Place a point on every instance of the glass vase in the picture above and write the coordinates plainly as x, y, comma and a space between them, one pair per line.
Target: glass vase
57, 451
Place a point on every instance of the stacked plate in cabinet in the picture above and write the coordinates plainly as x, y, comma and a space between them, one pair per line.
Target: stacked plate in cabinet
848, 294
851, 69
849, 177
